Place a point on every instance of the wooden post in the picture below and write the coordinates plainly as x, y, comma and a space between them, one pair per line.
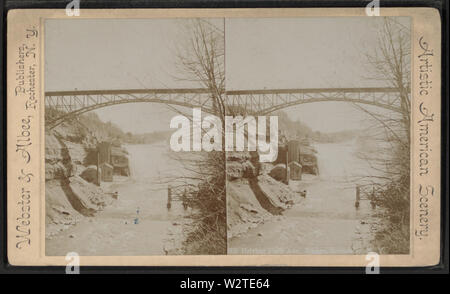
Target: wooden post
169, 197
373, 204
358, 196
287, 164
98, 171
185, 199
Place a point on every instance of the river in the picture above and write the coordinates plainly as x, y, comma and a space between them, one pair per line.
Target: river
326, 221
138, 223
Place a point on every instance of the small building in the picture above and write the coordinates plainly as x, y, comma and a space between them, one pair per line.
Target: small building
104, 152
308, 160
293, 151
119, 161
281, 156
295, 170
106, 171
115, 156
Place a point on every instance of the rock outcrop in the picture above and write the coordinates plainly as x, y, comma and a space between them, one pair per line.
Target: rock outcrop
278, 172
89, 174
69, 197
253, 197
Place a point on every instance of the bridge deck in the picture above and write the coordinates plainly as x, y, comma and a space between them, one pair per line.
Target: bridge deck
230, 92
258, 102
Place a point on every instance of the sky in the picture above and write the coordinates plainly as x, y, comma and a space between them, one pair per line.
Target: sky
260, 53
115, 54
304, 53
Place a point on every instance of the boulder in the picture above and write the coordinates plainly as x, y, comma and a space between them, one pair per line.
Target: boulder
249, 170
235, 170
278, 172
238, 170
89, 174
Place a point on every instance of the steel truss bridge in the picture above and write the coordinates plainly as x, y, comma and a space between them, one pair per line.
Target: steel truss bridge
256, 102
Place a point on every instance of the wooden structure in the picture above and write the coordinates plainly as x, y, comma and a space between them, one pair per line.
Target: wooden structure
308, 160
119, 161
293, 151
295, 171
104, 152
366, 193
114, 156
181, 194
287, 165
106, 172
358, 196
169, 197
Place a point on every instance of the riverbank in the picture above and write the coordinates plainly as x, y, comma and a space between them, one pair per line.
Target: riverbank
138, 222
253, 197
68, 197
326, 221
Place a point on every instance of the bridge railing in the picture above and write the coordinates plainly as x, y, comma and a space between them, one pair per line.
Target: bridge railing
258, 102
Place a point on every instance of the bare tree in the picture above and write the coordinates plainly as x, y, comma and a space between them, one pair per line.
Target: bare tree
389, 63
200, 60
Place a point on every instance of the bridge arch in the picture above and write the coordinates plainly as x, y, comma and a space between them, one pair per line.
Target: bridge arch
75, 103
69, 115
257, 102
264, 102
357, 101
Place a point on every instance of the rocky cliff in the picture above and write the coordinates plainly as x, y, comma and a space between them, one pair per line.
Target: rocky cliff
68, 197
253, 197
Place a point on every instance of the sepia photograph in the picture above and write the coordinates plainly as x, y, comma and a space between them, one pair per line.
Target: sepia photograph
113, 184
334, 94
340, 88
